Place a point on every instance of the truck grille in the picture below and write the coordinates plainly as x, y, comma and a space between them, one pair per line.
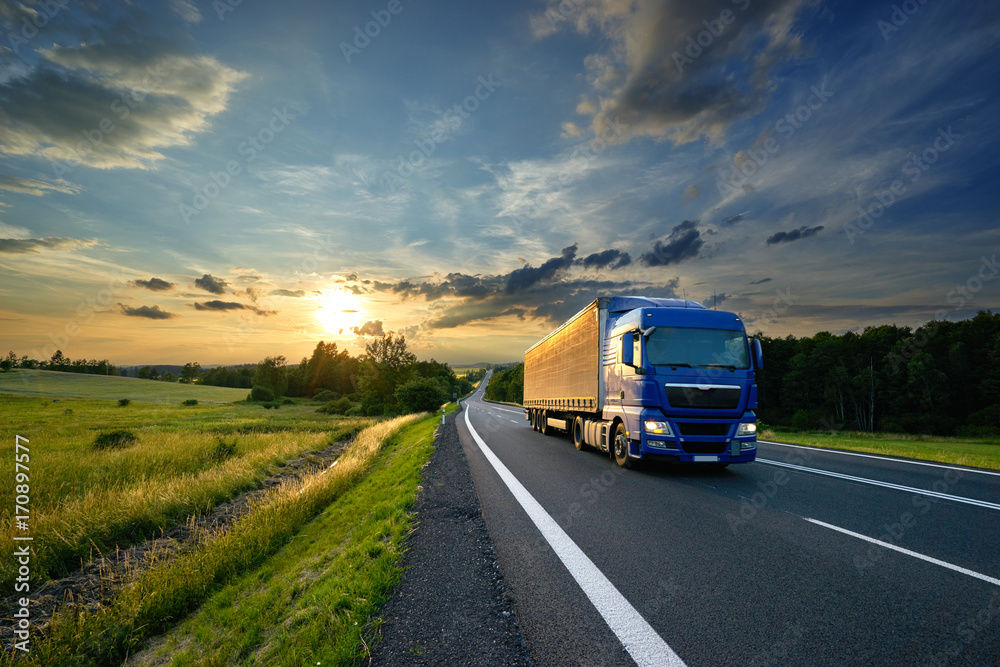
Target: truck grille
703, 429
719, 398
705, 447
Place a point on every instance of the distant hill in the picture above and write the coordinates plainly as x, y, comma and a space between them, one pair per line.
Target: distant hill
56, 384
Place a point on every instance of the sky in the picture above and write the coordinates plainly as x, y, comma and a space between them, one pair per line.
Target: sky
222, 181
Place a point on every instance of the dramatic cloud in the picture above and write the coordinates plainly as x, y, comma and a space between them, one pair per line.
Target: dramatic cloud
154, 284
683, 242
733, 219
794, 235
295, 294
680, 69
25, 246
210, 283
115, 98
372, 328
610, 259
528, 276
149, 312
761, 281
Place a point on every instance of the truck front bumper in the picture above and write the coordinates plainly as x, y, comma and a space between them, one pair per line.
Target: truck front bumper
674, 446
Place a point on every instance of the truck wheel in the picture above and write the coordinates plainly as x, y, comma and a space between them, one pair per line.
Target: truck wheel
620, 447
534, 420
543, 424
578, 434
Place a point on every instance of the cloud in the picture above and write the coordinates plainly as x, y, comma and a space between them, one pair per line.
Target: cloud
154, 284
149, 312
116, 97
761, 281
371, 328
733, 219
683, 242
794, 235
296, 294
691, 192
653, 81
570, 130
36, 188
210, 283
224, 306
25, 246
523, 278
611, 259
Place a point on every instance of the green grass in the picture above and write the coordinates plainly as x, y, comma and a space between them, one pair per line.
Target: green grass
55, 384
314, 598
82, 496
315, 601
974, 452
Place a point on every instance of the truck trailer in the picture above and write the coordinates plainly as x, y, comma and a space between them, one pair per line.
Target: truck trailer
643, 378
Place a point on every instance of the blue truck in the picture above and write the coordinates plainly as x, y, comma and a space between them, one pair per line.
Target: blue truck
644, 378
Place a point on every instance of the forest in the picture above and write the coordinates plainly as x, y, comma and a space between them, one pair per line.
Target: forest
941, 379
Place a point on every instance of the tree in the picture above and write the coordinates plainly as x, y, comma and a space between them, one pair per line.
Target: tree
58, 361
191, 372
271, 373
148, 373
387, 365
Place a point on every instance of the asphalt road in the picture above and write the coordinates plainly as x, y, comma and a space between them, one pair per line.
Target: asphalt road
806, 557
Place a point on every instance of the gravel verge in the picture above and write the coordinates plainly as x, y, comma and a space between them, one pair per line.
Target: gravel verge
452, 606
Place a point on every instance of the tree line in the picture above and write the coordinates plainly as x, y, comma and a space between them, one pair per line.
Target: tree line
941, 379
386, 380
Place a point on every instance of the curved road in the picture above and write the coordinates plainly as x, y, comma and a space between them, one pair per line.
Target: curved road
806, 557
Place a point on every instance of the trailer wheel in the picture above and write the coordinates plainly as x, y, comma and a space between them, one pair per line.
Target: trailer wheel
534, 420
543, 424
577, 431
620, 447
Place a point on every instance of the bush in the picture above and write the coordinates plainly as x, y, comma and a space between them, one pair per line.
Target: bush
261, 394
191, 401
115, 439
421, 395
356, 411
288, 401
122, 402
338, 407
326, 396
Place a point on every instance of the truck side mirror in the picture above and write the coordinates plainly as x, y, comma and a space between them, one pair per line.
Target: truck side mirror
628, 345
758, 354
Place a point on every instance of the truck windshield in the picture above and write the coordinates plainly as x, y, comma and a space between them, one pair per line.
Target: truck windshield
698, 348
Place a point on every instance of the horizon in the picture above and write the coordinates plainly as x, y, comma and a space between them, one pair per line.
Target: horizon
248, 180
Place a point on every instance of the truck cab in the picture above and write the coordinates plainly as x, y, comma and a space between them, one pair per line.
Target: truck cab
680, 378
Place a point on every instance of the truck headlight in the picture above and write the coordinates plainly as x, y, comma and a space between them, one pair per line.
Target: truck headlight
746, 428
656, 427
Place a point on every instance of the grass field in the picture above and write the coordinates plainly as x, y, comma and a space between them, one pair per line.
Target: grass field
58, 385
312, 585
974, 452
83, 497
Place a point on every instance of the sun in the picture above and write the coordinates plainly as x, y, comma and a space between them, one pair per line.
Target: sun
339, 311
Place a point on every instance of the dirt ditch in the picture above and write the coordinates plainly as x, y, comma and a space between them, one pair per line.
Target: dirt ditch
96, 583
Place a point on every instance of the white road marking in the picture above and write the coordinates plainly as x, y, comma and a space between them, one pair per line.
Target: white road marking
887, 485
883, 458
888, 545
637, 636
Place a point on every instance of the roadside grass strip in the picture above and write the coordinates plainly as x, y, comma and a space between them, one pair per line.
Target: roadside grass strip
371, 525
971, 452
